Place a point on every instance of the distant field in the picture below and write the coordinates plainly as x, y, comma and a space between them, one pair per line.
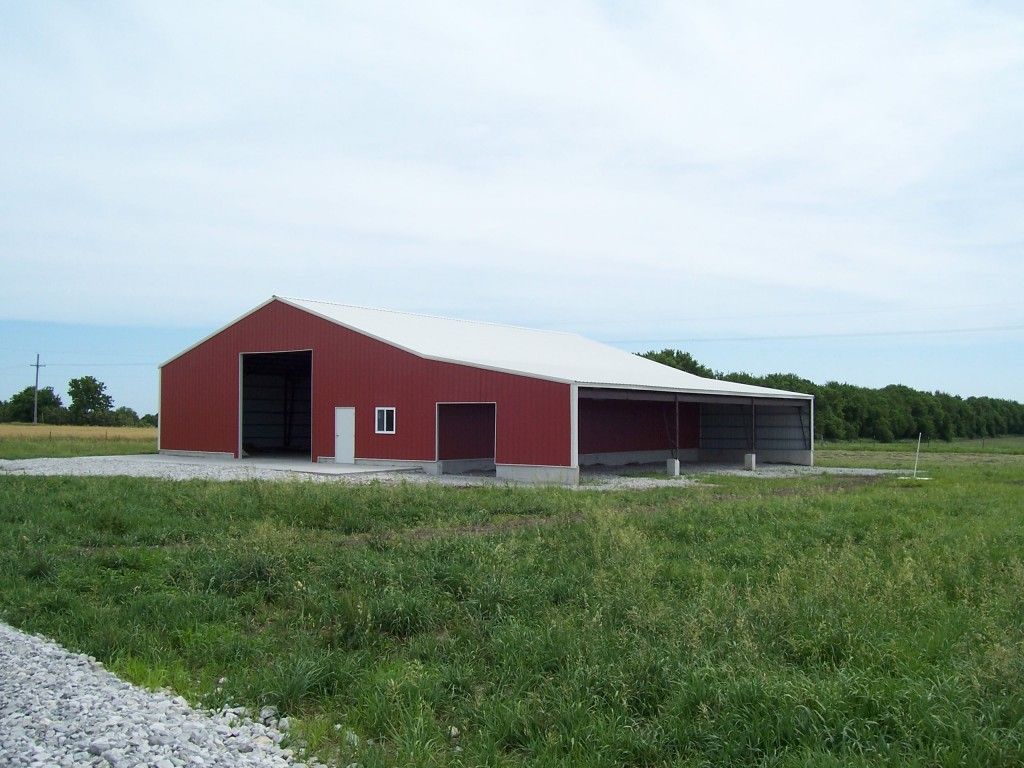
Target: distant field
900, 455
29, 441
808, 621
1012, 444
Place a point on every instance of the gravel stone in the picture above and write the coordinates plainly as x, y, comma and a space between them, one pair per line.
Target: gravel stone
159, 738
59, 708
267, 715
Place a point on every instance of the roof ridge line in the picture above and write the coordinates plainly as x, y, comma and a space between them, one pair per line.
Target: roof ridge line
432, 317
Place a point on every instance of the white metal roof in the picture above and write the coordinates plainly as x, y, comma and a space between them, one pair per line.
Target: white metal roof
553, 355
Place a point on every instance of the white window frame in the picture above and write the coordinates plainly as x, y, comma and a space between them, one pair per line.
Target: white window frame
383, 409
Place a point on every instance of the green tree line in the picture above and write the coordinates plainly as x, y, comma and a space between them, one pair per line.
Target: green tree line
90, 404
848, 412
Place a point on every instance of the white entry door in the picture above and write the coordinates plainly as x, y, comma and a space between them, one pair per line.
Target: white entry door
344, 435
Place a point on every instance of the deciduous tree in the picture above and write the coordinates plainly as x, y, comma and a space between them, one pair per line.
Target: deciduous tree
90, 404
19, 407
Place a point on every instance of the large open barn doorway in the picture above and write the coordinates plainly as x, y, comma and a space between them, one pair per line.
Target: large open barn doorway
275, 408
619, 428
465, 437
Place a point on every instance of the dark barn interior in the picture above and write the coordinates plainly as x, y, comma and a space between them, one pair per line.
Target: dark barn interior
465, 436
276, 412
613, 426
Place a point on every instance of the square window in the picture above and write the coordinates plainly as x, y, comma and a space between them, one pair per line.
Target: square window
386, 421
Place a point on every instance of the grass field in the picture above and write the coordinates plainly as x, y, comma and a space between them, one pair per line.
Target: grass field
29, 441
1008, 444
900, 455
810, 621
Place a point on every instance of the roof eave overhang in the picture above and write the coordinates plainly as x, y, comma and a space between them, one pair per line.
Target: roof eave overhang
768, 395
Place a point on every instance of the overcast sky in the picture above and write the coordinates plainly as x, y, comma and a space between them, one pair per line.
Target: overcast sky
833, 189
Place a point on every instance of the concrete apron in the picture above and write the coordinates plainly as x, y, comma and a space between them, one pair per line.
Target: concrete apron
279, 464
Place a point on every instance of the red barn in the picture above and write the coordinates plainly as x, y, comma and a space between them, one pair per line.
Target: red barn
332, 382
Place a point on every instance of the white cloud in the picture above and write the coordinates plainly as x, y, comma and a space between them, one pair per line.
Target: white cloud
543, 160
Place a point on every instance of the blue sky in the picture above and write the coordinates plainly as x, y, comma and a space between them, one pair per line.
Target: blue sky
831, 189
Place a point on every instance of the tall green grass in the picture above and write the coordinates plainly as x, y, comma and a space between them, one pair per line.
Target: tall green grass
816, 621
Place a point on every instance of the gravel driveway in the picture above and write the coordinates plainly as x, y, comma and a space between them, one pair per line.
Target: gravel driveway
591, 478
154, 466
59, 708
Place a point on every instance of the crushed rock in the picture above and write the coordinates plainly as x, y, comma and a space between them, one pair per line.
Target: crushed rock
59, 708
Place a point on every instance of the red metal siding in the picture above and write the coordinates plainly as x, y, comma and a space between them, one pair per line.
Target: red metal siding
607, 426
199, 393
465, 431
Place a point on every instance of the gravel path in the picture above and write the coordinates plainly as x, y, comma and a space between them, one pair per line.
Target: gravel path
132, 466
592, 478
59, 708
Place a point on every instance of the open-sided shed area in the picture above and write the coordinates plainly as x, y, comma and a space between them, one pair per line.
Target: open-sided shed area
624, 427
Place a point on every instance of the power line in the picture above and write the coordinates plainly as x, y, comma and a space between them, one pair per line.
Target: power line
82, 365
79, 351
102, 365
865, 334
777, 315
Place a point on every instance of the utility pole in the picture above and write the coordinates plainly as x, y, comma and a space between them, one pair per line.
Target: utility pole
35, 394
